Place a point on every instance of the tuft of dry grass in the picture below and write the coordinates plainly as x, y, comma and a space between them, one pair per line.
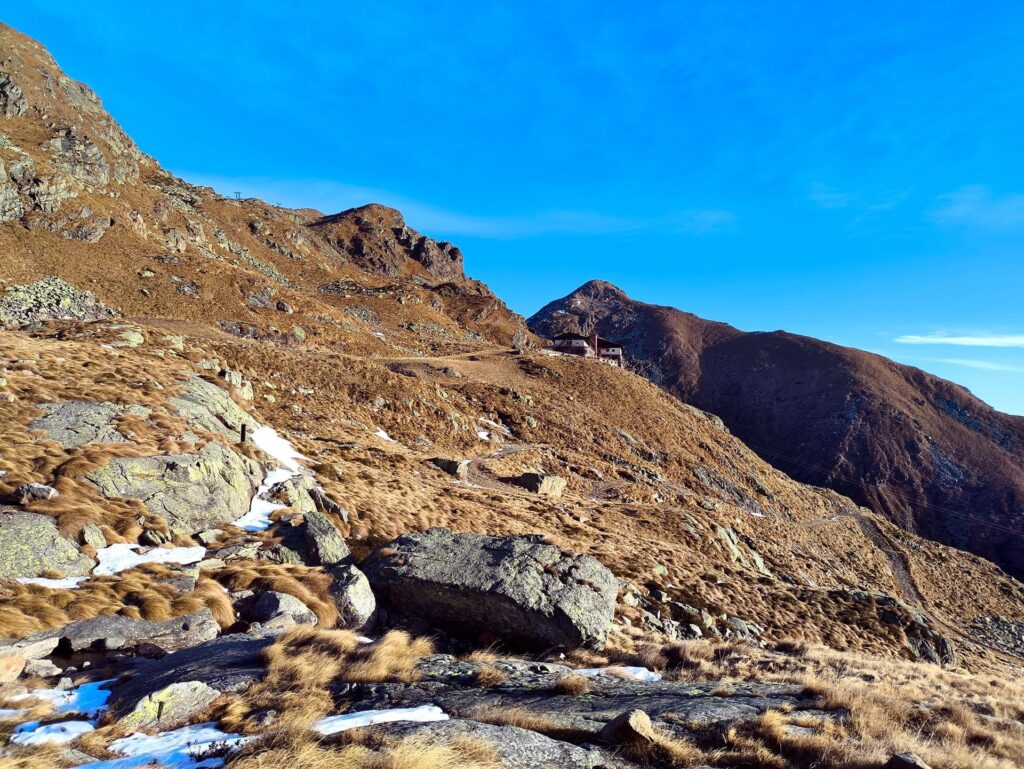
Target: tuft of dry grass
572, 684
310, 585
489, 675
304, 662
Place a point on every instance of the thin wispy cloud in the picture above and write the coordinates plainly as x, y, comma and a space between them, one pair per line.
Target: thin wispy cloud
985, 340
827, 198
978, 207
981, 365
331, 197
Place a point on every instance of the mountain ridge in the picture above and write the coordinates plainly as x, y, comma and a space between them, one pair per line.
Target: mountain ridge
922, 450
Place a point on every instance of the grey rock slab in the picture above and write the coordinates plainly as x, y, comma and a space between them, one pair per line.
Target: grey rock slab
75, 423
31, 544
227, 665
119, 632
192, 492
517, 587
515, 748
208, 407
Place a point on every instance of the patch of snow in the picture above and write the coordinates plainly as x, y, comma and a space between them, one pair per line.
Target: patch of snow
89, 699
422, 714
6, 713
50, 734
122, 556
177, 749
379, 432
273, 445
496, 426
364, 639
279, 449
378, 334
483, 435
621, 671
68, 583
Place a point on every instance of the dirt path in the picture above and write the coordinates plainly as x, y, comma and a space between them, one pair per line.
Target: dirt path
908, 588
478, 476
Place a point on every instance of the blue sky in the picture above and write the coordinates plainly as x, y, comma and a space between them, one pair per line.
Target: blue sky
852, 173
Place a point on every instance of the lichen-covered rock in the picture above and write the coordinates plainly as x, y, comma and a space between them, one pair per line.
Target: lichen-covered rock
173, 706
50, 299
31, 545
120, 632
324, 542
75, 423
192, 492
208, 407
517, 587
353, 596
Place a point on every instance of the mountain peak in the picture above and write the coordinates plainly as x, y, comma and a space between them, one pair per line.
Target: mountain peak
600, 289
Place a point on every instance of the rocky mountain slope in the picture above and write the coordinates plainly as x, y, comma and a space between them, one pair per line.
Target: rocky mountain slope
920, 450
268, 476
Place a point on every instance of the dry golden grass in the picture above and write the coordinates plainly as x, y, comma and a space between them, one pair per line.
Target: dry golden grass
310, 585
360, 750
573, 684
489, 675
139, 593
523, 718
33, 758
304, 662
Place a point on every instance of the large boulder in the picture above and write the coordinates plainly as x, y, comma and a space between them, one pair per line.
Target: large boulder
543, 484
192, 492
516, 587
106, 633
271, 605
31, 545
353, 597
75, 423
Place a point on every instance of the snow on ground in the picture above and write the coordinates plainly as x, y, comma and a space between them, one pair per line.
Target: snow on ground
122, 556
273, 445
379, 432
279, 449
60, 733
483, 435
621, 671
495, 425
183, 748
88, 699
177, 749
335, 724
68, 583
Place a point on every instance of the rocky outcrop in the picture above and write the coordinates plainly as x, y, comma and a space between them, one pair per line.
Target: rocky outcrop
518, 588
543, 484
679, 708
208, 407
375, 238
31, 545
514, 748
107, 633
75, 423
12, 99
192, 492
50, 299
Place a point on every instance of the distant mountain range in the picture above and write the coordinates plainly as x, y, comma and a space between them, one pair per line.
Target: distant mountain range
919, 449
